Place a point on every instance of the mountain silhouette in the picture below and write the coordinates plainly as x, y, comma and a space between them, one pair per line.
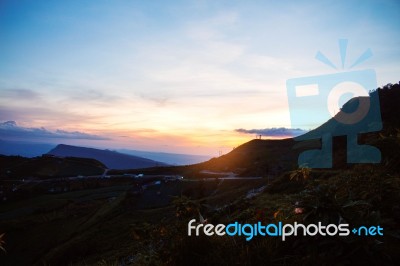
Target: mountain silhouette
274, 157
111, 159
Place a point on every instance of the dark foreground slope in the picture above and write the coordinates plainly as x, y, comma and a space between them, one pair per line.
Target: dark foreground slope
112, 159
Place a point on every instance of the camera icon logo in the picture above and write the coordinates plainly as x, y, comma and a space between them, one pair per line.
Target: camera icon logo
316, 102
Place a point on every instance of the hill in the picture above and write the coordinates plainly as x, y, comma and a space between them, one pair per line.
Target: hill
111, 159
274, 157
256, 158
263, 157
16, 167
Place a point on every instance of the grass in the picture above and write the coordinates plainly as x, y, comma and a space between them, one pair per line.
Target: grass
363, 196
105, 225
37, 225
112, 225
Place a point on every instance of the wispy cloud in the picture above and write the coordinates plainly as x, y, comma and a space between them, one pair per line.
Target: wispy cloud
18, 94
10, 130
273, 132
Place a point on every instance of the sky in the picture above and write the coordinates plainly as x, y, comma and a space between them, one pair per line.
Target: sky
195, 77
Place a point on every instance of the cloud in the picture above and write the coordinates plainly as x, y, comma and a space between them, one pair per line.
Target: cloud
274, 131
20, 94
89, 96
10, 130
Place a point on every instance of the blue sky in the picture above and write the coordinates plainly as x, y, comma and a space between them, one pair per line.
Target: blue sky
177, 76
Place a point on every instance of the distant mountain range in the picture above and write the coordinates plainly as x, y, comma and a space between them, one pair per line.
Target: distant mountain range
111, 159
33, 149
169, 158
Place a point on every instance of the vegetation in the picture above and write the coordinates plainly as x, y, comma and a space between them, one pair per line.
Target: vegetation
358, 197
2, 242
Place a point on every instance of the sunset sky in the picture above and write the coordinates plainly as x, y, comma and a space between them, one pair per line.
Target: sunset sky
176, 76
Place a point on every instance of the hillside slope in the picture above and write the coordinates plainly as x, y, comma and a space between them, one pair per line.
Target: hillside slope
273, 157
256, 158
